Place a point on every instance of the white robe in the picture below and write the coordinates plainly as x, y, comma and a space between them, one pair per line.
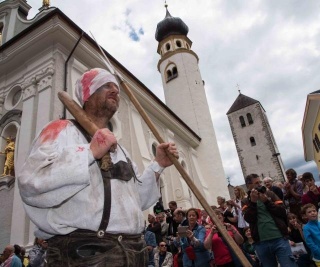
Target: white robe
62, 188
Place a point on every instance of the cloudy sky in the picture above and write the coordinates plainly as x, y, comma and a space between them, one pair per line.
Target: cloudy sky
269, 47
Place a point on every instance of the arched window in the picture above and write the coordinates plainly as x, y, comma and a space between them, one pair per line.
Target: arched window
168, 46
252, 141
171, 72
178, 43
242, 122
249, 117
169, 75
174, 72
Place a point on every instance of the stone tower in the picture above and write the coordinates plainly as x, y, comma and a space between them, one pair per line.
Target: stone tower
257, 150
185, 96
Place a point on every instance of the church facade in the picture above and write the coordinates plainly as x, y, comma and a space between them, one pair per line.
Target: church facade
45, 55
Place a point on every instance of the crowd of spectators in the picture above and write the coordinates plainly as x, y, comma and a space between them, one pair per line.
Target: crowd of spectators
15, 256
273, 222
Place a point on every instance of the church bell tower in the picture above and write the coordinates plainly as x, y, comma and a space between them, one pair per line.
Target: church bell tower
185, 95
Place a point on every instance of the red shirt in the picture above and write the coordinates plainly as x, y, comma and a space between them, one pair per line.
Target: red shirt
311, 197
220, 250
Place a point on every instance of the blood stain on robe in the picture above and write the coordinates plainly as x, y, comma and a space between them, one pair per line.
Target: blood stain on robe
51, 132
80, 149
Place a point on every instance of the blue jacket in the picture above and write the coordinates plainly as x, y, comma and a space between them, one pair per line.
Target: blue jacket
202, 254
311, 232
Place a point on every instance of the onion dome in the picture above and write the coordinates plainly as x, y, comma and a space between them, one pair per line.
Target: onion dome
169, 26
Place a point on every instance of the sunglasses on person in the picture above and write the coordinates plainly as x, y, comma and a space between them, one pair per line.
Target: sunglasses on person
162, 245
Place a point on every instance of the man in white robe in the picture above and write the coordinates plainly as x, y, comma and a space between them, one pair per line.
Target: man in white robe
63, 188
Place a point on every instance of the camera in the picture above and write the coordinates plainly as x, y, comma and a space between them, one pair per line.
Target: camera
261, 189
182, 231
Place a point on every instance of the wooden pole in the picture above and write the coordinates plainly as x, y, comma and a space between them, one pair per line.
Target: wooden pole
232, 244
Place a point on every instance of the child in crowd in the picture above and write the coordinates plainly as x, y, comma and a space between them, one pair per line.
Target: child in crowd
311, 231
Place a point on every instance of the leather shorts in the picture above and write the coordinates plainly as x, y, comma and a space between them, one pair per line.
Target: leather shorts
83, 248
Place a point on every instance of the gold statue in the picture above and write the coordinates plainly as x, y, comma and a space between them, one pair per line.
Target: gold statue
9, 152
46, 3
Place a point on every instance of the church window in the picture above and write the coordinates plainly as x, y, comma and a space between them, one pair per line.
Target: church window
174, 72
252, 141
16, 97
187, 46
178, 43
242, 122
315, 145
249, 117
169, 75
171, 72
168, 46
319, 127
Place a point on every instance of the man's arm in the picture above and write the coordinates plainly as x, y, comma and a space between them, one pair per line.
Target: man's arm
250, 210
57, 166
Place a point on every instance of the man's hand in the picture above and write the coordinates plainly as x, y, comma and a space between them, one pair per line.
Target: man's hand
102, 141
263, 197
254, 195
161, 156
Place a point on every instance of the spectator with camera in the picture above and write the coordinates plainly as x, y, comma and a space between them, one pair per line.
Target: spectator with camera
190, 238
267, 218
172, 224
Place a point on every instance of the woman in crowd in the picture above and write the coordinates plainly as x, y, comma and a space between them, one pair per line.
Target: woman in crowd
230, 213
240, 196
221, 203
296, 237
222, 253
194, 253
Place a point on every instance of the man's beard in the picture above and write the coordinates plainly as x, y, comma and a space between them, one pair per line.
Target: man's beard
104, 109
